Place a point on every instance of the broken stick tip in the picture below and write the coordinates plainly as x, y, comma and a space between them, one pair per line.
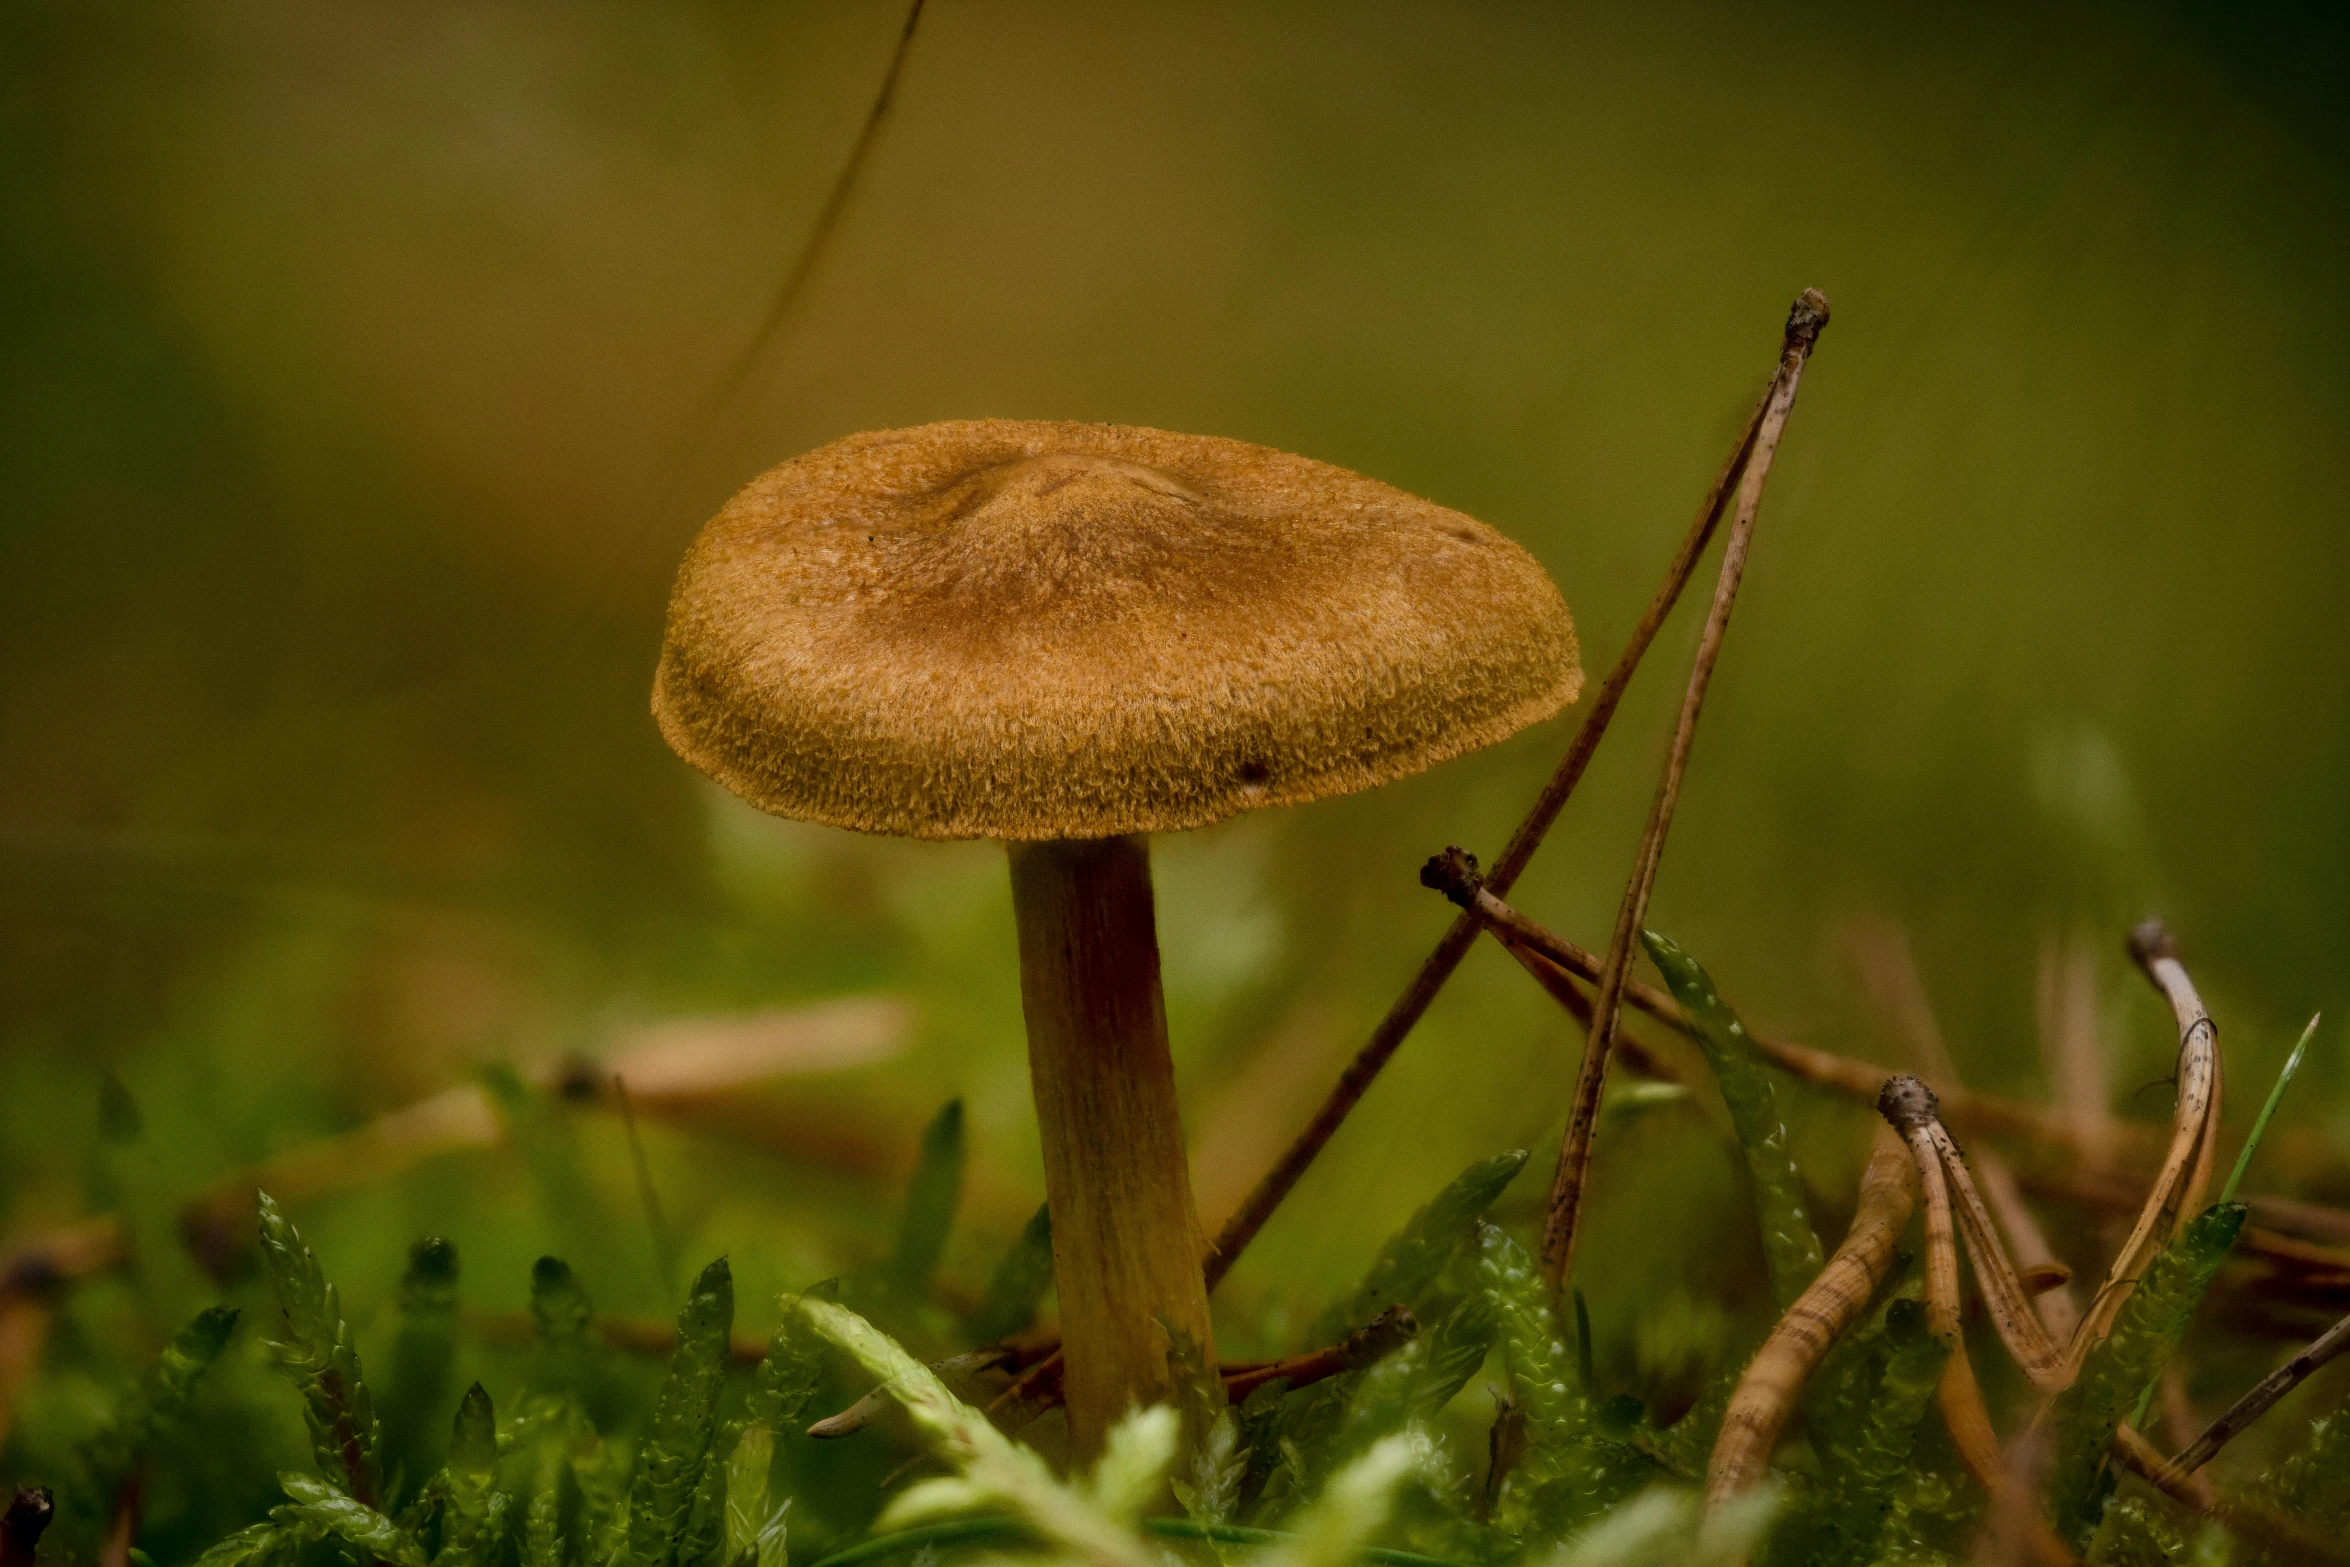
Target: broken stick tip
2151, 940
1453, 873
1805, 318
1907, 1102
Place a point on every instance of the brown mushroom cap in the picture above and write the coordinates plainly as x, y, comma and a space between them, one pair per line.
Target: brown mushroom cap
1022, 629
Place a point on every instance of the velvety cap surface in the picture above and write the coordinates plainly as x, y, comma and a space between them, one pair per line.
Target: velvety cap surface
1023, 630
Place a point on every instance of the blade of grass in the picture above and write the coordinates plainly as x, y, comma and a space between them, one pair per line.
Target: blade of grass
932, 1196
1018, 1284
2268, 1110
664, 1241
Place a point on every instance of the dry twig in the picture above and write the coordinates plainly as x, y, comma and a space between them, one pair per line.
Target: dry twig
2277, 1237
1566, 1192
1907, 1104
2263, 1395
1389, 1330
812, 248
1039, 1387
1638, 1058
2270, 1531
2287, 1252
1417, 996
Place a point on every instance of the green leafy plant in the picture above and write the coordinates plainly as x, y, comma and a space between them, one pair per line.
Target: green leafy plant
317, 1353
1791, 1247
2119, 1371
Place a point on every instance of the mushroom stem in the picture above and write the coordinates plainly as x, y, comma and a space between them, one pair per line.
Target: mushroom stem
1126, 1238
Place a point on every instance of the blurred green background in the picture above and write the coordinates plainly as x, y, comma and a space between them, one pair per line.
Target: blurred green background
366, 369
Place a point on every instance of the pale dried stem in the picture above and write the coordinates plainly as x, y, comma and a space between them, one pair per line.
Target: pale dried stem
1908, 1106
1566, 1193
1960, 1398
2058, 1305
1774, 1380
2072, 1042
2186, 1165
2009, 1303
680, 1069
1889, 971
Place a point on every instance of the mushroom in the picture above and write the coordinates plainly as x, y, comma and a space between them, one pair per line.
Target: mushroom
1067, 637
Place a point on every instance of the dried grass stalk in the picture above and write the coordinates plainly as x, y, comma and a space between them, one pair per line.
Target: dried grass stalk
1775, 1379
